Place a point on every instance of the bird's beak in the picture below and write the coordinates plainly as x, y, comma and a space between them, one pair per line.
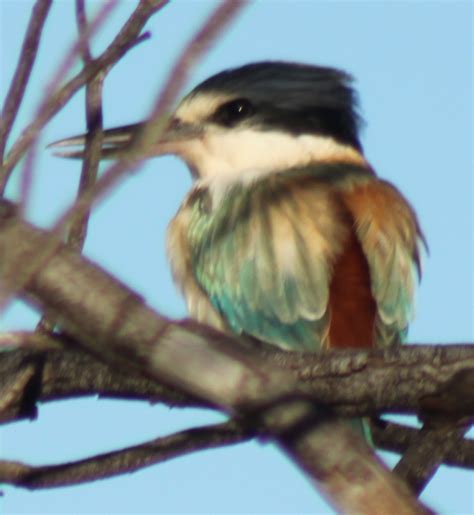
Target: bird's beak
118, 141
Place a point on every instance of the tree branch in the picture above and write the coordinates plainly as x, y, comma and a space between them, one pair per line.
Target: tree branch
125, 460
68, 373
122, 43
22, 74
354, 479
429, 449
93, 145
397, 438
42, 374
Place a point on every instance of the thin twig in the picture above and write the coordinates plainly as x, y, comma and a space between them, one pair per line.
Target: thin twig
427, 452
123, 42
23, 70
81, 20
26, 177
93, 145
53, 85
397, 438
78, 230
125, 460
58, 76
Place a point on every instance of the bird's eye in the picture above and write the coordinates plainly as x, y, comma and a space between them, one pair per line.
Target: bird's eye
231, 113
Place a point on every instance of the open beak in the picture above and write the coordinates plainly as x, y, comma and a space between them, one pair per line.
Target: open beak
118, 141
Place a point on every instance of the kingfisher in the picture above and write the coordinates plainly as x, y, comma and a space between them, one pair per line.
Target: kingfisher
287, 235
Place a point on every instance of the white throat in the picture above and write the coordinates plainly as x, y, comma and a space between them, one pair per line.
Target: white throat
245, 154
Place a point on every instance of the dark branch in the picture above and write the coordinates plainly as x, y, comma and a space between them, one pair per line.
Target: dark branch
65, 373
41, 371
427, 452
393, 437
125, 460
90, 165
93, 146
25, 64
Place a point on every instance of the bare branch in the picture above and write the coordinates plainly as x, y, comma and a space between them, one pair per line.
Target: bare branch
393, 437
63, 373
92, 152
26, 176
57, 373
352, 478
125, 460
78, 230
125, 39
81, 20
90, 165
428, 451
23, 70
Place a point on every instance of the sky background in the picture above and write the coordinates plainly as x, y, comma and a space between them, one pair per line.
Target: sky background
413, 62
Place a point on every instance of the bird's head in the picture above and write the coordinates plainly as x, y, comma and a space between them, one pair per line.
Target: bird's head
265, 116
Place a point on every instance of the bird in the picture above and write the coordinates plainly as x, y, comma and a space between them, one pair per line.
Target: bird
287, 234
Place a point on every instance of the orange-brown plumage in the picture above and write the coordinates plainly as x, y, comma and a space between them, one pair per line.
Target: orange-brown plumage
352, 306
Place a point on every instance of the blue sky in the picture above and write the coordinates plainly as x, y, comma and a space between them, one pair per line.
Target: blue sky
413, 64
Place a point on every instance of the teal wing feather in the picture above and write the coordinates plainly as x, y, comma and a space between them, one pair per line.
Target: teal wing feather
264, 254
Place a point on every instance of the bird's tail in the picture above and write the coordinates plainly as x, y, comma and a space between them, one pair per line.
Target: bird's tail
362, 427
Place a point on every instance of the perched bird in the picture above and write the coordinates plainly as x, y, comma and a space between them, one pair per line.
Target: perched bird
287, 235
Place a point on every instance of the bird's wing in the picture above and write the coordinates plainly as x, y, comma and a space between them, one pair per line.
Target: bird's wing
264, 255
391, 238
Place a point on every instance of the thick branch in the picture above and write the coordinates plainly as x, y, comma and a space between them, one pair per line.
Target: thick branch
39, 374
354, 479
65, 373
